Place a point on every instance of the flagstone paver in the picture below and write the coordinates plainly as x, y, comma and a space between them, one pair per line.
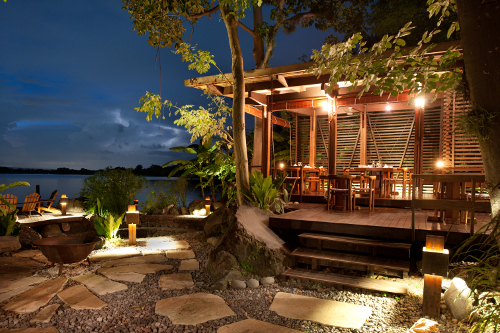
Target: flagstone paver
26, 281
28, 253
189, 265
12, 293
150, 252
159, 244
51, 329
176, 281
140, 268
151, 259
45, 314
193, 309
125, 276
79, 298
327, 312
37, 297
254, 326
17, 266
183, 254
123, 252
100, 285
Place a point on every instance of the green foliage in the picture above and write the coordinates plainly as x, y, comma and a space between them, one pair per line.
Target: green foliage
263, 190
107, 225
8, 220
115, 188
477, 122
164, 194
246, 266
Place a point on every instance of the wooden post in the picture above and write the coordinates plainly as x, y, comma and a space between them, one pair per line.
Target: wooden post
362, 147
266, 142
418, 148
37, 189
332, 136
257, 143
312, 140
432, 295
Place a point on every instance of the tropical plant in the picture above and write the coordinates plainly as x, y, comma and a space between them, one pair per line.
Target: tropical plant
162, 194
115, 188
263, 191
8, 220
106, 223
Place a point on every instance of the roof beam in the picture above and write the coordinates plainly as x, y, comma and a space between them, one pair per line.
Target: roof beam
258, 113
282, 80
259, 98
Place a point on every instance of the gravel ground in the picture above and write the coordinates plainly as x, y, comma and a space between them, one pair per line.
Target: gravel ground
133, 310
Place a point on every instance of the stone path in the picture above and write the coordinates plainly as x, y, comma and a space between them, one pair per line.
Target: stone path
149, 259
125, 276
115, 254
30, 330
189, 265
193, 309
46, 314
11, 268
176, 281
100, 285
159, 244
140, 268
184, 254
79, 298
33, 254
254, 326
22, 282
12, 293
327, 312
37, 297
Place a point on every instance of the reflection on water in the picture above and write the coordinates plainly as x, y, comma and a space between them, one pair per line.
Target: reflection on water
72, 184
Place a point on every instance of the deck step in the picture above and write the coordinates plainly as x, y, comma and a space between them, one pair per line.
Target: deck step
307, 255
349, 281
355, 240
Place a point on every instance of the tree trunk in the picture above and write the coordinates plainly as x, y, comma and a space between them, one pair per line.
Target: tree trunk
239, 135
480, 35
258, 43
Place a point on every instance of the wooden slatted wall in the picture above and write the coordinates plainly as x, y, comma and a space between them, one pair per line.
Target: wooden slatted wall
459, 150
322, 141
347, 141
300, 139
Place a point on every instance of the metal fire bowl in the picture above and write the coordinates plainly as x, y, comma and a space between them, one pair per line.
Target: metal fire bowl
66, 250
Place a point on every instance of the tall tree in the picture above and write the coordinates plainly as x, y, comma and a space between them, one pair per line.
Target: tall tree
164, 21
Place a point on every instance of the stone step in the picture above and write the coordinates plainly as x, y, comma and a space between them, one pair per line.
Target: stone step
143, 232
348, 281
171, 221
329, 258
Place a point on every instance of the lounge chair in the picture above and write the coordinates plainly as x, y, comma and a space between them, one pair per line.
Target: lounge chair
46, 204
10, 198
29, 205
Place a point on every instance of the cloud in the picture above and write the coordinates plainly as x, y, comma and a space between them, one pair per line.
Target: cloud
154, 146
157, 152
106, 152
35, 82
41, 100
11, 125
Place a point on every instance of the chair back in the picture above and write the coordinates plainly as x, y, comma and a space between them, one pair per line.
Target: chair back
30, 202
10, 198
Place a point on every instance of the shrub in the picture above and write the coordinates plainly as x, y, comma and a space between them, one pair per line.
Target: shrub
165, 193
107, 224
8, 220
115, 188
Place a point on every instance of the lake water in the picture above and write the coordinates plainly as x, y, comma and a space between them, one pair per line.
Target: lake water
72, 184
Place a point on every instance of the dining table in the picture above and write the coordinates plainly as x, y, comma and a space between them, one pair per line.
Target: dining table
382, 188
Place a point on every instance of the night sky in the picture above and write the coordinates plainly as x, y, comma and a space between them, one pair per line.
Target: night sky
71, 73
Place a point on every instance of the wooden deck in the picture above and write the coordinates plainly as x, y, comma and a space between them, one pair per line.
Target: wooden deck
48, 218
384, 223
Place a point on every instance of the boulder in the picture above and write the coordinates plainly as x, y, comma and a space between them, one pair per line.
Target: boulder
196, 205
238, 284
424, 325
167, 209
266, 281
184, 211
458, 299
28, 235
75, 206
214, 241
223, 263
174, 211
256, 247
9, 244
51, 230
217, 223
253, 283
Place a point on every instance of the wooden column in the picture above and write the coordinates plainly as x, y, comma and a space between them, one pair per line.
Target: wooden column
432, 295
332, 136
362, 146
418, 145
312, 140
266, 142
257, 143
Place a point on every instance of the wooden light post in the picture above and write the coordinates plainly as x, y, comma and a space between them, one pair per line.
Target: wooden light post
434, 266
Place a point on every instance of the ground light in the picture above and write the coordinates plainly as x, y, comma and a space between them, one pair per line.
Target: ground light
64, 201
207, 205
132, 217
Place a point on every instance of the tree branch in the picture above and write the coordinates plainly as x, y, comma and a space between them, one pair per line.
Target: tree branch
298, 17
247, 29
208, 12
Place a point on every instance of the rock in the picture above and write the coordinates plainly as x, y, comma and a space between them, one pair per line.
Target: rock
220, 285
28, 235
424, 325
445, 285
176, 281
168, 245
79, 298
193, 309
214, 241
266, 281
327, 312
115, 254
196, 205
256, 247
65, 226
148, 259
183, 254
166, 210
254, 326
174, 211
458, 299
51, 230
184, 211
18, 283
100, 285
216, 205
7, 295
50, 329
139, 268
46, 314
189, 265
37, 297
158, 212
9, 244
125, 276
223, 263
252, 283
28, 253
12, 268
217, 223
75, 206
238, 284
101, 244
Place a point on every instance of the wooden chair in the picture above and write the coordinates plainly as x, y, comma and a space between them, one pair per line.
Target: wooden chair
316, 179
29, 205
404, 181
10, 198
367, 185
48, 204
336, 189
